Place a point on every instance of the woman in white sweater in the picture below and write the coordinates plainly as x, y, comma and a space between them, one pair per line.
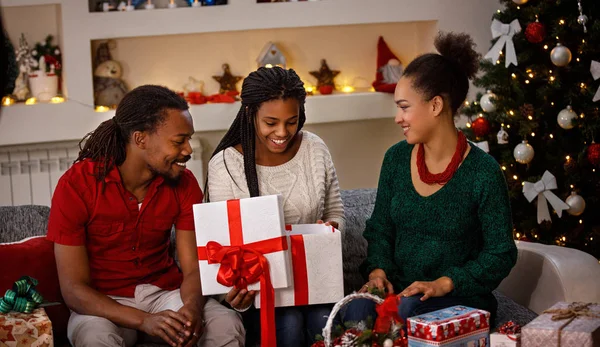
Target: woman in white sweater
263, 153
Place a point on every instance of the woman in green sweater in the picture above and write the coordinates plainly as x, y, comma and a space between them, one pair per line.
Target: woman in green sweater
441, 231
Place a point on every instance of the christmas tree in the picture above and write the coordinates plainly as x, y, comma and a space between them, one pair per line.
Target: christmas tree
542, 74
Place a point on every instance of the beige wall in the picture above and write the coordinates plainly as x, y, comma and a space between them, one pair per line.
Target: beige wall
36, 22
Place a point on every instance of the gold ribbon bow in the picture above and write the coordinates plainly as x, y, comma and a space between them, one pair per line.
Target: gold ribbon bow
573, 311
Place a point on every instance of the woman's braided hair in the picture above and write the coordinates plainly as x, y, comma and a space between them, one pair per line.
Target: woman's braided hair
260, 86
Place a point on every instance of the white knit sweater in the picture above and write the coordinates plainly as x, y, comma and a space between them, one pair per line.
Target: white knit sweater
308, 182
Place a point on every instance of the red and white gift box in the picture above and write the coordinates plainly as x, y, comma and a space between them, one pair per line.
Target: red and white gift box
246, 225
242, 243
26, 329
456, 326
316, 266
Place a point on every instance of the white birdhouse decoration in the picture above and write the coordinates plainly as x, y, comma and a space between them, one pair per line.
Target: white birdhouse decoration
271, 56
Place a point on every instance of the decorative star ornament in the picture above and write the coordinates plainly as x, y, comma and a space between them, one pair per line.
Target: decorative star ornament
227, 81
325, 75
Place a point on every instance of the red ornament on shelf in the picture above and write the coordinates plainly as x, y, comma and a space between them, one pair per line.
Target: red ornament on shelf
481, 127
326, 89
535, 32
593, 154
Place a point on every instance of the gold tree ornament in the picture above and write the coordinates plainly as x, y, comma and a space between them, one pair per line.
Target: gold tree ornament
325, 75
228, 81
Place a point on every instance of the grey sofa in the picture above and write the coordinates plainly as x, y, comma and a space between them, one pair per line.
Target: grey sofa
20, 222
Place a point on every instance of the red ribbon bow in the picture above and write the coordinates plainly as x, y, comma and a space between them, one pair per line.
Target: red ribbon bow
510, 328
387, 313
240, 266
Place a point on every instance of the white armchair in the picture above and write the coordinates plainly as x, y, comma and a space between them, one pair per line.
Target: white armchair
547, 274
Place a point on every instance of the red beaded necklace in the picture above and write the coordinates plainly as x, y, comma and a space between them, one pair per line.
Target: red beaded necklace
443, 177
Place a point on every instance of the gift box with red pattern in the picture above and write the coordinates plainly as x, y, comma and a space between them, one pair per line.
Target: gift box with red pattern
26, 329
318, 276
453, 326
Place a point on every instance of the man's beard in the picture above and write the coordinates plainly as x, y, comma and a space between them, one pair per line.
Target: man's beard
169, 180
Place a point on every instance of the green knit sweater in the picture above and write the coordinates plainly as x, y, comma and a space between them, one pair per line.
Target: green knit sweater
463, 231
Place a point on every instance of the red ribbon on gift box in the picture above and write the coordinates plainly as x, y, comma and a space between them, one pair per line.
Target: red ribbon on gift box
244, 264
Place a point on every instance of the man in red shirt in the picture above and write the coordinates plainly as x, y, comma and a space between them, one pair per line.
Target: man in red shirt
111, 219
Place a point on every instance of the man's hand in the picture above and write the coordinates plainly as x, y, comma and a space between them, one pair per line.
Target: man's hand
194, 327
168, 325
331, 223
437, 288
240, 299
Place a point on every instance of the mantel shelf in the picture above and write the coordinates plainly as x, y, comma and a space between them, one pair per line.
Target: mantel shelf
22, 124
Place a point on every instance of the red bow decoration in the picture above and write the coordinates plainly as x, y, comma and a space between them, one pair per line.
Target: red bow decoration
240, 266
387, 313
510, 328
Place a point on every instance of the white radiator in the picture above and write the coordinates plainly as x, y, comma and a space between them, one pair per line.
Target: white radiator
29, 173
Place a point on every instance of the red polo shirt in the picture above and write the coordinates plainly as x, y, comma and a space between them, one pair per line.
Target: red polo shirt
126, 246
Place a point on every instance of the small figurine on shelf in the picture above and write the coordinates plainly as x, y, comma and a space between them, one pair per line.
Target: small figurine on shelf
106, 5
389, 68
44, 84
109, 88
26, 62
52, 57
271, 56
149, 5
228, 81
194, 91
325, 78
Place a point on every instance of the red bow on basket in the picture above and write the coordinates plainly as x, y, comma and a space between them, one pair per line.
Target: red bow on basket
387, 314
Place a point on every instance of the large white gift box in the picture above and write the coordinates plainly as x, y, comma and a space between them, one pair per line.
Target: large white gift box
316, 251
236, 238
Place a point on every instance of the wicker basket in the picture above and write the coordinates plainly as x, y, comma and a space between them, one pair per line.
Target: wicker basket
338, 306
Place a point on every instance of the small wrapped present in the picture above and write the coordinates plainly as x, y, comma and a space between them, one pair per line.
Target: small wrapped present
508, 335
452, 326
242, 243
26, 329
564, 325
318, 277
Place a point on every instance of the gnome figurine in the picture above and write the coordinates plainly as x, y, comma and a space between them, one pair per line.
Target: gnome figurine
389, 68
391, 72
109, 88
